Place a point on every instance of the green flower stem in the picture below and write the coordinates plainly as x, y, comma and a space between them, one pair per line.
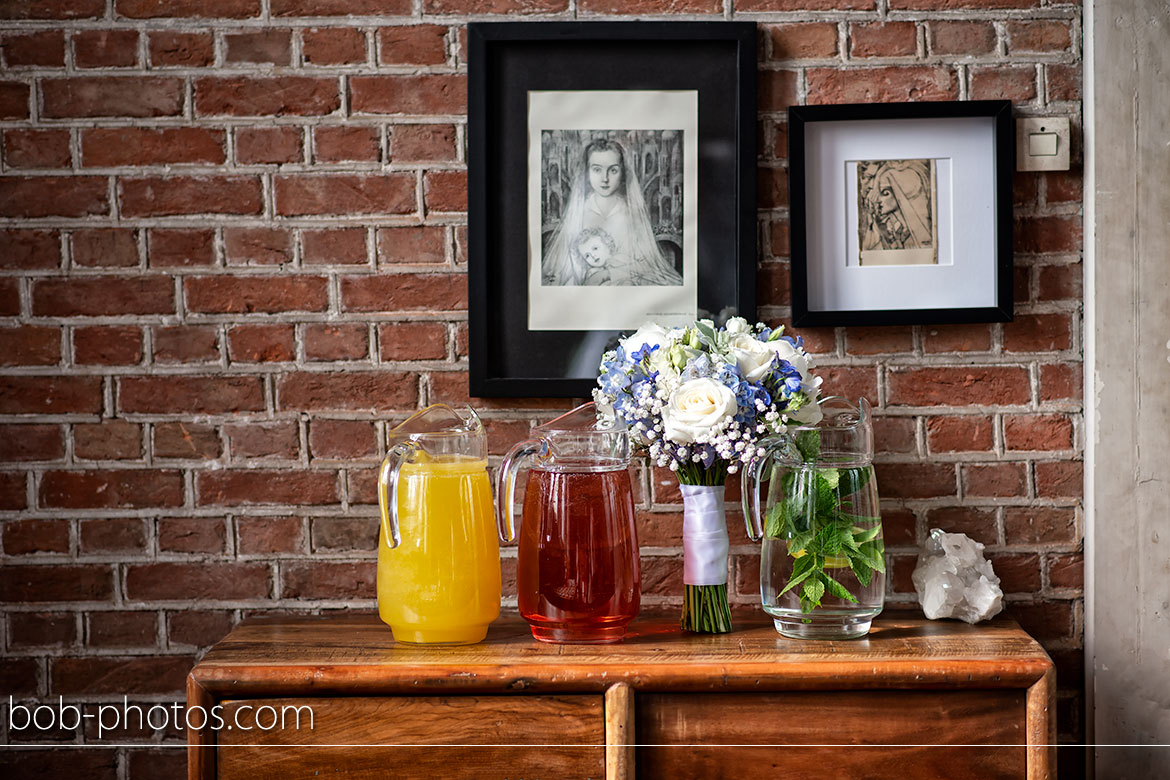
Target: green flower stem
705, 609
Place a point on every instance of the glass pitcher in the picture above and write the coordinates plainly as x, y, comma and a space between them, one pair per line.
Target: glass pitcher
438, 557
578, 578
822, 561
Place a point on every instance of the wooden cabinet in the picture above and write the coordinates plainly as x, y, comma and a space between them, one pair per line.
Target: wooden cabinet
916, 699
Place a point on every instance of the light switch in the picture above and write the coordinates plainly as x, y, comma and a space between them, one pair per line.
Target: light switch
1042, 144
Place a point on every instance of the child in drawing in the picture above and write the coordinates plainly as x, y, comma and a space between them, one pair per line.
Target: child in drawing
596, 249
606, 196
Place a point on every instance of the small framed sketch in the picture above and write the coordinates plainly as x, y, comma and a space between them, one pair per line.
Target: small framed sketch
901, 213
611, 179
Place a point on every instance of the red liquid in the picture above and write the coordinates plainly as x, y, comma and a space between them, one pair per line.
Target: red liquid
578, 578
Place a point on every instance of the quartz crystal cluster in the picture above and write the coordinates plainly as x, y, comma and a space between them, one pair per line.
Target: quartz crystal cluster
954, 580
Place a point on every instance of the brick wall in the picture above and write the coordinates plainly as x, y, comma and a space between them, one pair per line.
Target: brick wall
233, 253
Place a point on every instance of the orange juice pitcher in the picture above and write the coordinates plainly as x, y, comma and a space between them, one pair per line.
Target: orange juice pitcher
438, 554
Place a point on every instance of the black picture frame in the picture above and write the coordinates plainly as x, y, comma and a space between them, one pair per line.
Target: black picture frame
809, 256
507, 60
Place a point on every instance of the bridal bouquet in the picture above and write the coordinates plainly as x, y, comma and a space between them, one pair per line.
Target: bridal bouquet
697, 400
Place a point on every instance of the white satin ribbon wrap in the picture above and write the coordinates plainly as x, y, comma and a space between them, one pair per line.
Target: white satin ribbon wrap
705, 540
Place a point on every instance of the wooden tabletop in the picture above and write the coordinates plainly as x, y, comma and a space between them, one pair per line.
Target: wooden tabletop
356, 654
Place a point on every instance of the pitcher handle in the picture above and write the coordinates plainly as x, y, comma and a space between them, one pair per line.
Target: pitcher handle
388, 490
506, 484
750, 495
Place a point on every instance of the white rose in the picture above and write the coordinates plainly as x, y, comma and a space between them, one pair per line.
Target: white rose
809, 414
737, 325
752, 356
649, 334
698, 407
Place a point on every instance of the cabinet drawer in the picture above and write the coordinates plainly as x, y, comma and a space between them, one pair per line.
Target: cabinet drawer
421, 737
826, 735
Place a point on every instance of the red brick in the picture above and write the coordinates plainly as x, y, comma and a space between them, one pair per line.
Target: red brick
883, 39
333, 46
51, 395
160, 196
112, 535
186, 440
348, 194
773, 285
959, 386
916, 480
1059, 283
31, 442
1038, 333
37, 148
104, 488
404, 292
345, 534
1003, 82
237, 487
354, 143
945, 5
200, 628
412, 341
271, 145
342, 439
1038, 36
137, 675
197, 581
109, 440
1048, 234
13, 100
895, 435
776, 90
802, 41
1061, 381
1067, 571
409, 94
42, 629
257, 246
959, 434
250, 294
29, 584
420, 44
94, 96
185, 344
13, 493
878, 340
44, 48
261, 343
1060, 479
109, 146
272, 96
181, 248
899, 527
976, 522
30, 345
1045, 621
103, 296
28, 197
461, 245
1039, 525
771, 187
994, 480
445, 190
849, 382
347, 391
319, 580
263, 440
341, 7
191, 394
1022, 283
191, 534
105, 247
1018, 573
423, 143
339, 246
259, 46
872, 85
269, 535
650, 7
1063, 187
181, 49
451, 387
961, 37
1033, 432
28, 537
122, 629
118, 345
57, 761
1025, 189
105, 48
336, 342
411, 245
1063, 82
202, 9
956, 338
29, 250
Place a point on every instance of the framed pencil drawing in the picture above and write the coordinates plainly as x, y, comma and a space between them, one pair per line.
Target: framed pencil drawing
611, 177
901, 213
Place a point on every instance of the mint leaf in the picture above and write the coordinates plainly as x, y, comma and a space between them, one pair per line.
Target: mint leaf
836, 588
774, 521
853, 480
867, 534
812, 591
809, 444
863, 572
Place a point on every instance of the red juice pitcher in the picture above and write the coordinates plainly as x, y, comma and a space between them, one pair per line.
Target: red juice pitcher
578, 578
